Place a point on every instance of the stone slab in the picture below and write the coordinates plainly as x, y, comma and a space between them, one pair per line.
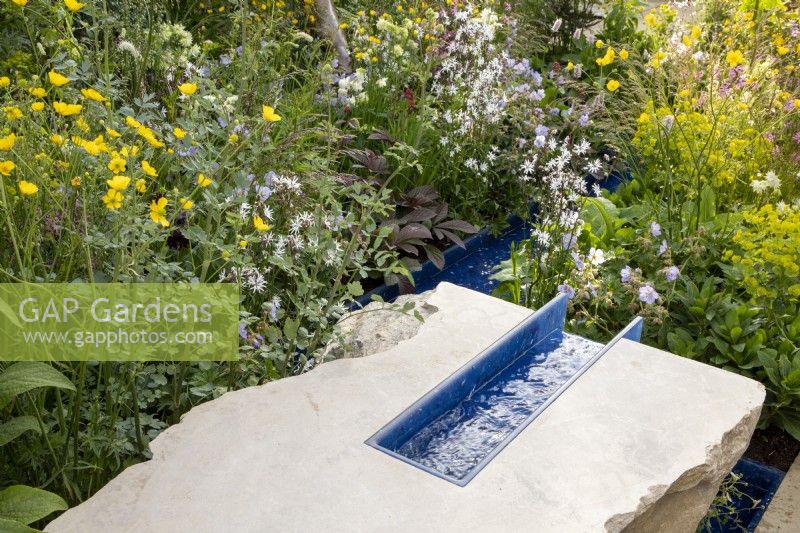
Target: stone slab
783, 514
640, 429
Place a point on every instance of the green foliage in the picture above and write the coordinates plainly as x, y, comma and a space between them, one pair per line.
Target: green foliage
20, 378
27, 505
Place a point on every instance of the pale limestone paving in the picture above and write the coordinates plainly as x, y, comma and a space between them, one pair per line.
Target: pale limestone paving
783, 514
640, 442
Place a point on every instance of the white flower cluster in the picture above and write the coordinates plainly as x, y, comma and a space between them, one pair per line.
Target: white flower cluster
771, 182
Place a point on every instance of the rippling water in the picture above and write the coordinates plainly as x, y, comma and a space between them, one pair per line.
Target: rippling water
459, 439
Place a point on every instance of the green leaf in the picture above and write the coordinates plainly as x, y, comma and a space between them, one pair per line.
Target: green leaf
355, 289
27, 504
599, 213
793, 379
16, 427
29, 375
290, 328
708, 209
791, 423
12, 526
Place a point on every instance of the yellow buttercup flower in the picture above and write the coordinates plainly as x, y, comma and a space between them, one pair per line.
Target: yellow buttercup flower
570, 66
612, 85
5, 81
203, 181
148, 169
113, 199
623, 54
187, 89
66, 110
141, 186
119, 183
599, 44
650, 19
734, 58
20, 3
260, 225
93, 147
75, 181
607, 59
13, 112
38, 92
57, 139
73, 5
113, 133
148, 135
57, 79
158, 211
133, 123
186, 204
242, 244
117, 165
82, 124
7, 142
37, 106
179, 133
269, 114
92, 94
6, 167
26, 188
659, 56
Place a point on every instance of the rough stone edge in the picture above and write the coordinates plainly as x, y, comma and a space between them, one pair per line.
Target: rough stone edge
350, 344
645, 517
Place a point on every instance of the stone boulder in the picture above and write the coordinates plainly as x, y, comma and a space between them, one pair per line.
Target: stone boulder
380, 325
638, 443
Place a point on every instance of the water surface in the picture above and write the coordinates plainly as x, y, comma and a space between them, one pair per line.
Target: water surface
459, 439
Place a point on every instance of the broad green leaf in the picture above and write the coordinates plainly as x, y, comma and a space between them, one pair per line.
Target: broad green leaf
12, 526
16, 427
290, 328
599, 213
27, 504
29, 375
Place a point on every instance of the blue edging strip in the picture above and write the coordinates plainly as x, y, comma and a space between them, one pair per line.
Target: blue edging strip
475, 373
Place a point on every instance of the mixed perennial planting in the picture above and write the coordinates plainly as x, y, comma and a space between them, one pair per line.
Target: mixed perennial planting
227, 141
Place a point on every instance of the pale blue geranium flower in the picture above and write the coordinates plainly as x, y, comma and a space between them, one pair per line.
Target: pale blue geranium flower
564, 288
672, 273
648, 294
655, 229
625, 274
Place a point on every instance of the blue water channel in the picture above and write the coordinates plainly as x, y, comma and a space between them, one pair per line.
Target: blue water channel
458, 440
